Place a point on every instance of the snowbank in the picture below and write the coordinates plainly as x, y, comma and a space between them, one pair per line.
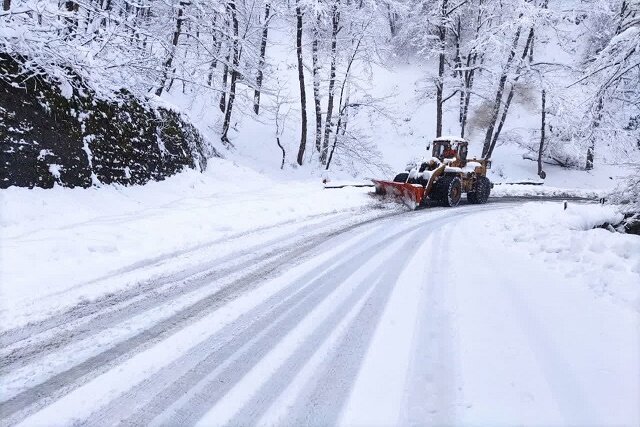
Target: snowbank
518, 190
566, 241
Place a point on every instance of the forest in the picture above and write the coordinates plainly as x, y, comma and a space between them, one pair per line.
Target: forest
575, 65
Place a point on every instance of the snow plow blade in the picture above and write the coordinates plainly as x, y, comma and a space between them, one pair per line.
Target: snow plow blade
409, 194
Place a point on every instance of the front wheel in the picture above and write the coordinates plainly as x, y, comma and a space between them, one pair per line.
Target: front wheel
448, 190
481, 191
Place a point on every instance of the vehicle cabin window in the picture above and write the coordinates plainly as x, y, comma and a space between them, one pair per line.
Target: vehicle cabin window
462, 151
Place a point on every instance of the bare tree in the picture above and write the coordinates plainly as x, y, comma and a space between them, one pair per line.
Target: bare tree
231, 5
595, 125
507, 103
303, 96
499, 93
442, 37
315, 67
543, 127
174, 44
332, 80
215, 48
225, 77
344, 104
392, 15
468, 74
614, 69
263, 50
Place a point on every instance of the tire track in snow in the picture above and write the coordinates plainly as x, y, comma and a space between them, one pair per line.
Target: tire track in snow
323, 400
366, 287
557, 371
89, 319
323, 396
110, 301
263, 399
240, 351
35, 398
120, 307
430, 398
43, 394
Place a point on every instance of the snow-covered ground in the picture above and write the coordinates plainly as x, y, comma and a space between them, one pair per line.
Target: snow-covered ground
501, 314
86, 243
64, 246
232, 297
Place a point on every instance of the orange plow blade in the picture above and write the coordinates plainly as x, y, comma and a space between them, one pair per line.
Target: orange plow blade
409, 194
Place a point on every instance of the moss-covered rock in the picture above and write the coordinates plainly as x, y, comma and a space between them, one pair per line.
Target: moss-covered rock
68, 135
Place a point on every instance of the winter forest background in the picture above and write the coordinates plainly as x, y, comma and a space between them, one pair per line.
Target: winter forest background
345, 84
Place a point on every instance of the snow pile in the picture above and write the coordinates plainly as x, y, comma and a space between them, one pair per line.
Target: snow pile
566, 241
507, 190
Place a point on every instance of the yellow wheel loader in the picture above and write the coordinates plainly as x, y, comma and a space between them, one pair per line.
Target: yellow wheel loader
443, 178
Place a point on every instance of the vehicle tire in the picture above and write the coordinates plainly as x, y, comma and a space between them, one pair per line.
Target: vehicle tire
481, 191
448, 190
401, 177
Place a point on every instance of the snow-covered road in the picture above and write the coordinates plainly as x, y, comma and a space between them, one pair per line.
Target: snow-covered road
414, 318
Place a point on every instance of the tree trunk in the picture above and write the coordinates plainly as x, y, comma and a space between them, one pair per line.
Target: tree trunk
225, 76
393, 21
468, 85
328, 124
106, 6
215, 46
597, 118
541, 173
303, 95
231, 5
507, 104
342, 124
284, 153
469, 74
6, 5
458, 71
174, 43
346, 103
316, 86
623, 9
498, 100
263, 50
442, 34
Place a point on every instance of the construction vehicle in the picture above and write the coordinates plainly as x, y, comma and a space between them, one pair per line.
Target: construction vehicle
442, 179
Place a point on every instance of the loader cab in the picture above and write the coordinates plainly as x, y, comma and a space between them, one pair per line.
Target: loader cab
450, 147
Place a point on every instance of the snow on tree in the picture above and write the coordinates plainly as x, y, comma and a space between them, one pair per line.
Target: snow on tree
483, 60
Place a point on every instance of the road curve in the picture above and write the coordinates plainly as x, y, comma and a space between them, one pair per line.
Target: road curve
332, 322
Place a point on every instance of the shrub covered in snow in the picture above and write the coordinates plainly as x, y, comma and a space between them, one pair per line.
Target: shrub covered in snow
627, 193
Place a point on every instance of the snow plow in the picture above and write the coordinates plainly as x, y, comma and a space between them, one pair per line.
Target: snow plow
442, 179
